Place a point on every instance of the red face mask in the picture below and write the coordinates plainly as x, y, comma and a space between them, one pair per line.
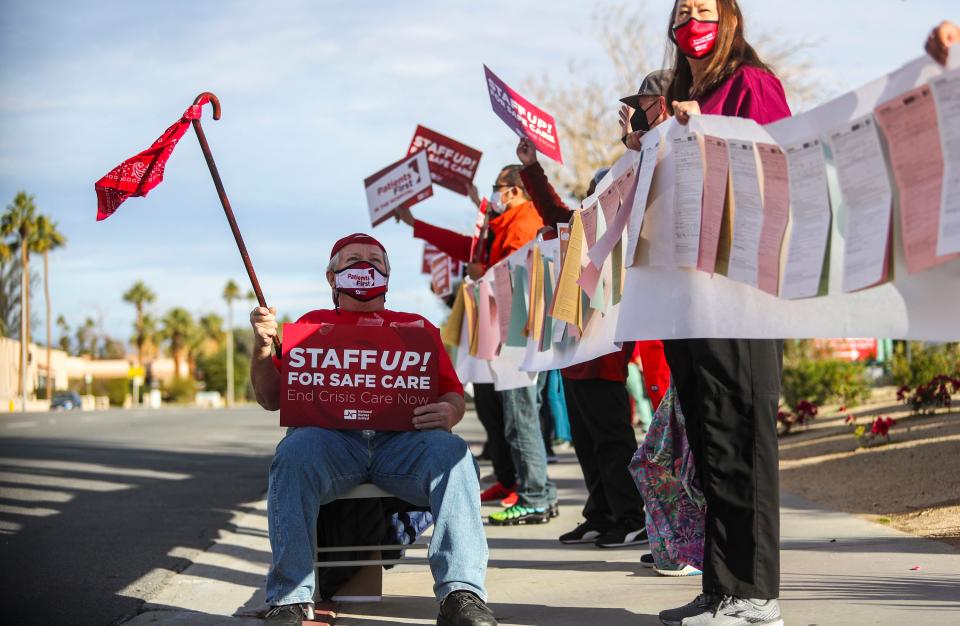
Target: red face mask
695, 38
361, 281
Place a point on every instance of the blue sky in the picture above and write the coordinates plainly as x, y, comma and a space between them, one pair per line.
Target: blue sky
316, 96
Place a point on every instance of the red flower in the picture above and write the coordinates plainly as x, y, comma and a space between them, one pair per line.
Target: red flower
849, 419
881, 426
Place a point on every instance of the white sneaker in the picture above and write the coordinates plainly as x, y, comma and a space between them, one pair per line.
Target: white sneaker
733, 611
678, 570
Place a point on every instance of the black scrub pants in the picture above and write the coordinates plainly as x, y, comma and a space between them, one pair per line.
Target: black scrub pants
604, 441
729, 390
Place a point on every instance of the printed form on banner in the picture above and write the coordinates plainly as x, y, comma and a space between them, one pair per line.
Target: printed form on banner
524, 117
399, 185
452, 164
357, 377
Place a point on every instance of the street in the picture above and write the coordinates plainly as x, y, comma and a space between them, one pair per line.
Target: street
99, 509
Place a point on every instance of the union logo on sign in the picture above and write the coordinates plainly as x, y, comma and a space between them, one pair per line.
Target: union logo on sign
349, 414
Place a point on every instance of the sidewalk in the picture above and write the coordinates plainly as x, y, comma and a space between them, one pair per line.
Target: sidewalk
836, 569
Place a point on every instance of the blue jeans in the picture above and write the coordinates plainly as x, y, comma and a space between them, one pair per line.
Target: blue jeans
313, 466
521, 422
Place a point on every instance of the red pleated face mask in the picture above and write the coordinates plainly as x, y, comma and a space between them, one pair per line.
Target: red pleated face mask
362, 281
696, 39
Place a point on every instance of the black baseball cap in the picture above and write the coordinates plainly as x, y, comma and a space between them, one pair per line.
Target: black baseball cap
655, 84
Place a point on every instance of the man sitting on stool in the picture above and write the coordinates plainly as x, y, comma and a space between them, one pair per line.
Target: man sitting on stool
429, 466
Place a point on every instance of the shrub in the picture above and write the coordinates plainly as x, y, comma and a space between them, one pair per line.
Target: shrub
925, 363
213, 369
802, 413
116, 389
820, 381
877, 434
180, 390
930, 396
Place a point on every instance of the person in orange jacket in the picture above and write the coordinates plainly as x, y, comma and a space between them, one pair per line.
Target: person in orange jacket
511, 417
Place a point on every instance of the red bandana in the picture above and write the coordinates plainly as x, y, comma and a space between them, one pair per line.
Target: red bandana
139, 174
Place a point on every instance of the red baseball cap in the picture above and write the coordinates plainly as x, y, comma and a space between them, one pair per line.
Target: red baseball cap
355, 238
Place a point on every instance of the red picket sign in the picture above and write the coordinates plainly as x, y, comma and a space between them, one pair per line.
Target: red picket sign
350, 377
452, 164
523, 117
398, 185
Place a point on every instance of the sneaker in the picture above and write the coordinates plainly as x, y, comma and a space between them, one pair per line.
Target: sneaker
554, 510
497, 492
510, 500
673, 617
678, 570
289, 614
587, 532
647, 560
462, 608
620, 538
734, 611
519, 514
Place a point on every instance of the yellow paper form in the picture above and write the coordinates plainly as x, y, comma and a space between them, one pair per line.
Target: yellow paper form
535, 315
450, 331
470, 306
566, 304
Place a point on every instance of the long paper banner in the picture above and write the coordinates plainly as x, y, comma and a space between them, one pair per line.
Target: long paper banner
814, 226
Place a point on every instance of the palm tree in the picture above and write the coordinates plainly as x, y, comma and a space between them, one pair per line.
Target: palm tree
211, 330
46, 239
178, 329
152, 333
18, 220
139, 295
9, 293
231, 292
64, 333
87, 338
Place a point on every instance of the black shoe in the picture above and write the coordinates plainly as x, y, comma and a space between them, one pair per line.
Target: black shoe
288, 614
587, 532
462, 608
622, 538
647, 560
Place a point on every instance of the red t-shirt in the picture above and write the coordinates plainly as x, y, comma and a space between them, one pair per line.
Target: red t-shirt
449, 382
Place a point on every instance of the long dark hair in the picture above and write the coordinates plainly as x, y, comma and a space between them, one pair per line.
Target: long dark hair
729, 54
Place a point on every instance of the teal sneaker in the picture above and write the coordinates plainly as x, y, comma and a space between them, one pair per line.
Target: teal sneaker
519, 514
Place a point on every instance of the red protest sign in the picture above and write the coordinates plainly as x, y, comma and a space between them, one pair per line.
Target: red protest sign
356, 377
441, 280
429, 252
855, 349
452, 164
523, 117
399, 185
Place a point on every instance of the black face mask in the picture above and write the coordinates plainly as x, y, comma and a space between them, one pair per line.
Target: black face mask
639, 121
